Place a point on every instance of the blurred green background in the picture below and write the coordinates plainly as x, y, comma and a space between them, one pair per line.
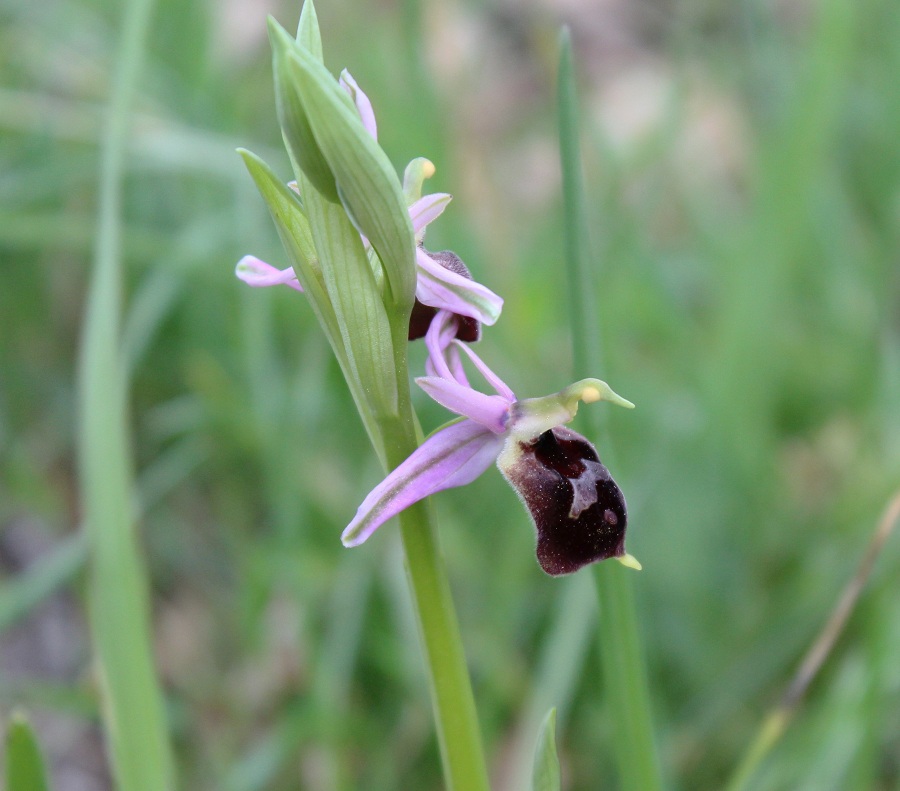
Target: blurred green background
743, 169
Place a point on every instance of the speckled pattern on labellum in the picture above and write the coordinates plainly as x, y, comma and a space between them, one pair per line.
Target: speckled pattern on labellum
577, 508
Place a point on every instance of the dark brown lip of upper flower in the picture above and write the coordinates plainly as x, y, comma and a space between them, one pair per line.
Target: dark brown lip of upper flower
468, 329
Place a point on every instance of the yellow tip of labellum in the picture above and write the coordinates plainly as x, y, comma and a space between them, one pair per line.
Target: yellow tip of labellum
630, 561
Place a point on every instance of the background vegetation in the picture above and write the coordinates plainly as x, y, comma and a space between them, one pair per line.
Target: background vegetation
744, 189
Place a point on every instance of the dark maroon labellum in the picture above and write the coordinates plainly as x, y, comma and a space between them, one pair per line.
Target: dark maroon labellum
468, 329
578, 509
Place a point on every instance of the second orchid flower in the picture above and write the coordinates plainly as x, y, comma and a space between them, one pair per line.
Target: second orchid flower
578, 511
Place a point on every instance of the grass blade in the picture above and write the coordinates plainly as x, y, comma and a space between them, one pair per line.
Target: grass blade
118, 598
779, 718
546, 761
20, 595
564, 652
624, 674
24, 763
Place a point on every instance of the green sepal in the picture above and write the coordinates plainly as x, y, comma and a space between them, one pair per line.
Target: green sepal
295, 124
296, 236
545, 775
308, 34
369, 187
534, 416
25, 770
355, 296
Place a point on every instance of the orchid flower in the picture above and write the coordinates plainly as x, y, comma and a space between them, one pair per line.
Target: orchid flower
443, 282
578, 510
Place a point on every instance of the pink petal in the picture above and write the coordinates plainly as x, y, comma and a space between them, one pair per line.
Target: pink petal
491, 411
439, 336
363, 105
427, 209
456, 367
495, 381
441, 288
454, 456
257, 273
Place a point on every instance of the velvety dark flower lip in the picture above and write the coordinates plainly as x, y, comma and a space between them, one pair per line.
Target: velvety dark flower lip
578, 511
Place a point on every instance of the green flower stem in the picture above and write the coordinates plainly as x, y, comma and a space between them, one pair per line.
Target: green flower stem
455, 715
458, 732
624, 674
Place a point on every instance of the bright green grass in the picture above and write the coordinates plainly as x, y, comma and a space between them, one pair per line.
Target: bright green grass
749, 309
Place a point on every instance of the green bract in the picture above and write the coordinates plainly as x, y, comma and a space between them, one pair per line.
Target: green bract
295, 124
361, 315
329, 143
296, 236
347, 188
308, 35
328, 258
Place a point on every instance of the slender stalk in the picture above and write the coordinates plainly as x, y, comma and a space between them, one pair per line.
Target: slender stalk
624, 673
455, 715
458, 732
778, 719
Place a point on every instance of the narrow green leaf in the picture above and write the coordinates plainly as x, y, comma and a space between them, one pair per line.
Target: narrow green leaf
295, 125
546, 762
624, 674
369, 187
360, 313
24, 763
563, 654
308, 34
119, 603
